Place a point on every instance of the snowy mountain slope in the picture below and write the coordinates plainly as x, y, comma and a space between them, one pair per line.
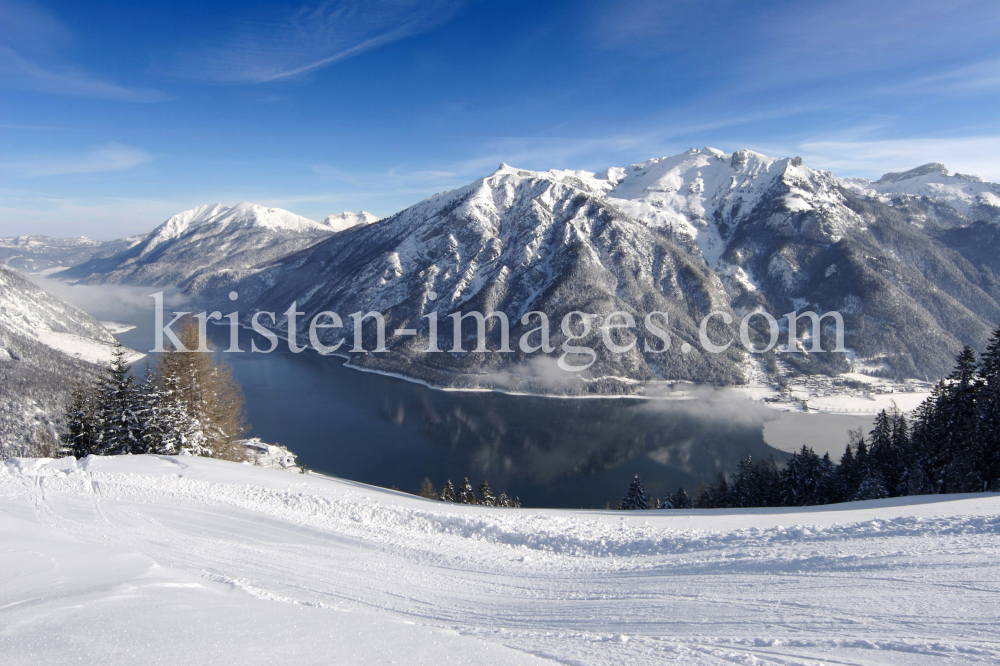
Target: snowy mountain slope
516, 241
194, 560
46, 345
28, 310
346, 220
205, 247
909, 300
42, 254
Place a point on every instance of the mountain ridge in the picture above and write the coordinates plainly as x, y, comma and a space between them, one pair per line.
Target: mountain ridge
690, 234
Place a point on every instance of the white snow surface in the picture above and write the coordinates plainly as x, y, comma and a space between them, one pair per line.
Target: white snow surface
171, 560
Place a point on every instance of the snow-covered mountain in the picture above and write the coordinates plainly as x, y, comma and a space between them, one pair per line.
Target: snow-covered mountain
516, 241
970, 195
46, 345
706, 195
698, 232
906, 260
205, 247
44, 254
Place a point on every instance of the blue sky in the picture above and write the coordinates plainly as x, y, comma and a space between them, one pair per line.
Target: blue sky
115, 115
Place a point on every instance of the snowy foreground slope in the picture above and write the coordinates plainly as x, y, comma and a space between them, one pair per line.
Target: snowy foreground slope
181, 560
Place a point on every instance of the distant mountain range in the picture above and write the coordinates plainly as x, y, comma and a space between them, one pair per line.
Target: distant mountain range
910, 260
211, 246
44, 254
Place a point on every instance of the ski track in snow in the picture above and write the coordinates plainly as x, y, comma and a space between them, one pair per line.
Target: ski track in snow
180, 560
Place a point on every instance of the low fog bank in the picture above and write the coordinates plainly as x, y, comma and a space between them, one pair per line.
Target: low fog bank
112, 301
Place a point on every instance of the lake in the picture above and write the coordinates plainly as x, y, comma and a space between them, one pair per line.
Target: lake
548, 451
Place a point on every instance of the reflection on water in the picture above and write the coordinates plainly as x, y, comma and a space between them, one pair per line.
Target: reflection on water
550, 452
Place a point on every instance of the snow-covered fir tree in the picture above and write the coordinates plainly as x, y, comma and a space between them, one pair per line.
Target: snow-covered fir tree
81, 422
465, 494
120, 409
486, 497
635, 498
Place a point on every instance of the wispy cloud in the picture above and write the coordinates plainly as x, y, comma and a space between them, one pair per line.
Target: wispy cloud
32, 46
976, 77
313, 37
787, 42
110, 157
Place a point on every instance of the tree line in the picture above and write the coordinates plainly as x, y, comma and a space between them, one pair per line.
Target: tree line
189, 403
951, 444
464, 494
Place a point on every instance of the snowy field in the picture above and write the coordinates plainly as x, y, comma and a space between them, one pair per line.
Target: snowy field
157, 560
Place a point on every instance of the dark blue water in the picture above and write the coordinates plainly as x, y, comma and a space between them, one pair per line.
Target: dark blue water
549, 452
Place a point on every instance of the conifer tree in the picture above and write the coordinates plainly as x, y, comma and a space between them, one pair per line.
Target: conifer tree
153, 426
119, 413
872, 485
486, 495
889, 445
635, 498
715, 496
902, 455
465, 494
924, 444
448, 492
814, 477
746, 490
81, 420
988, 413
847, 477
681, 500
957, 414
